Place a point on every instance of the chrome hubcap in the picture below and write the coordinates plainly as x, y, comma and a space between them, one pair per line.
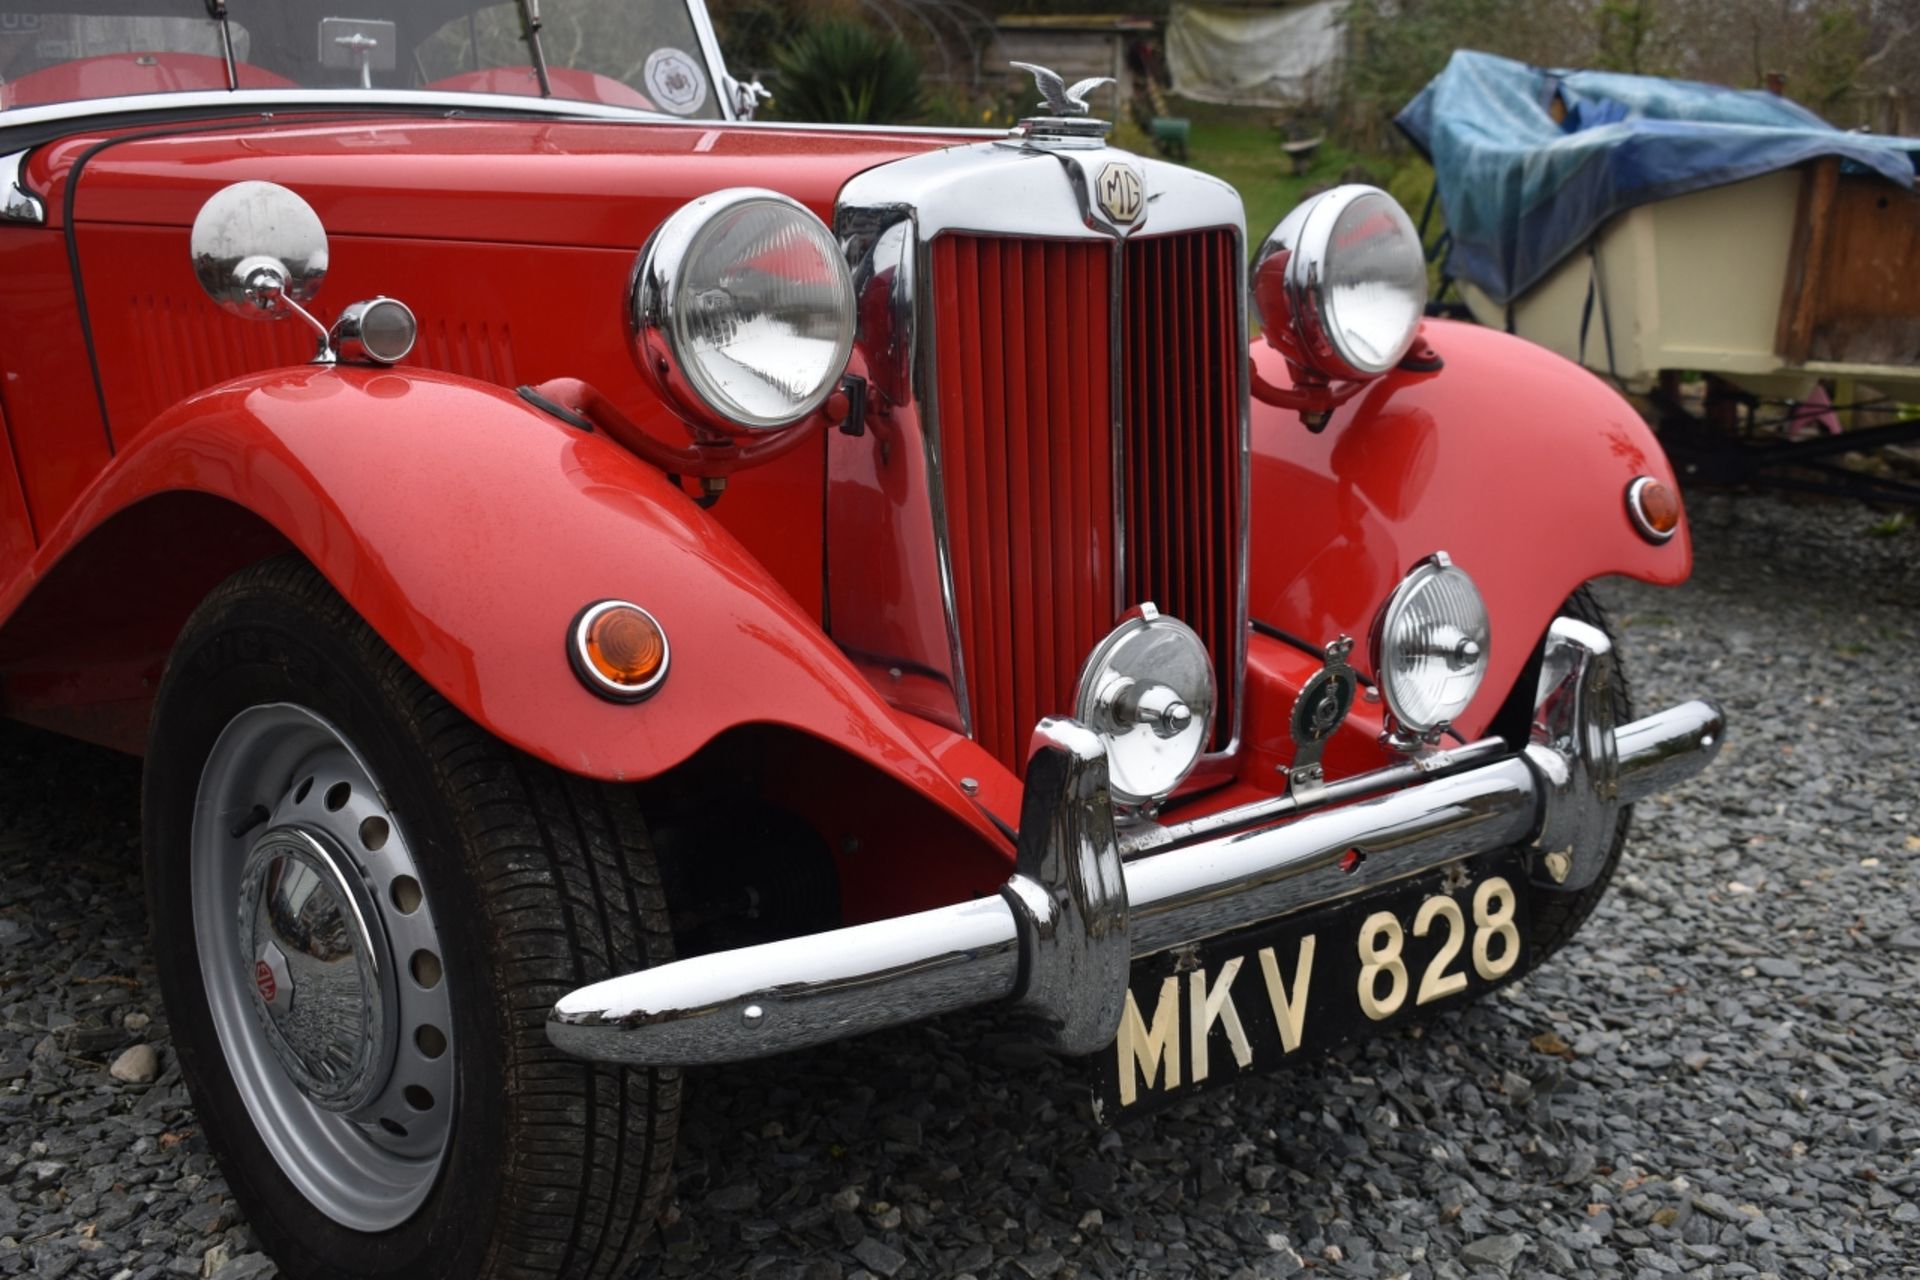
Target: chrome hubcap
323, 972
322, 966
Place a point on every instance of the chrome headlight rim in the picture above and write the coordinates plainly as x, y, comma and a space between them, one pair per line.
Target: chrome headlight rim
1406, 728
1136, 781
654, 315
1309, 327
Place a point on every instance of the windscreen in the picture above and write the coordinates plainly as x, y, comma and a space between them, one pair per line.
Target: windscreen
643, 54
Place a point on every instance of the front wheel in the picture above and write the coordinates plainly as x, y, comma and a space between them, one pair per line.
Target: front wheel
362, 907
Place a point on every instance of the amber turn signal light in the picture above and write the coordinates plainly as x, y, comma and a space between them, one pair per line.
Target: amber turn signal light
1654, 508
618, 650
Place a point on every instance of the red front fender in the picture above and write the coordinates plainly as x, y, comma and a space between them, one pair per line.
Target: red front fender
1512, 460
468, 529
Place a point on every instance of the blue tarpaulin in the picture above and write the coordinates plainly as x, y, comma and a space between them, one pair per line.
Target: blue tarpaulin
1521, 190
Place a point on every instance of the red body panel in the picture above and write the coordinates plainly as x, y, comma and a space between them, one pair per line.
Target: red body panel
468, 528
1512, 460
45, 377
547, 182
472, 572
511, 241
16, 529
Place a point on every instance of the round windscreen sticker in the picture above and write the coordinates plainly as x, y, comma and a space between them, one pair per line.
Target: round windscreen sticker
675, 82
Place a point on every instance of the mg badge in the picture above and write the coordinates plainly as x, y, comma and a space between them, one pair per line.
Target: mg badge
1120, 192
271, 979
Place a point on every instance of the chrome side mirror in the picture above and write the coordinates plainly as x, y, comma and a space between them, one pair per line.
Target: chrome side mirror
259, 251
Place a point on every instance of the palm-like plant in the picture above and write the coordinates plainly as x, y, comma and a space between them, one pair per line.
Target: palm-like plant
841, 72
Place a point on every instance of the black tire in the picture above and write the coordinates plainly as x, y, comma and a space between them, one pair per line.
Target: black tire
541, 882
1557, 916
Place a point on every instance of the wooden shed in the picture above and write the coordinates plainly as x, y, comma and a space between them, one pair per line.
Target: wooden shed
1076, 46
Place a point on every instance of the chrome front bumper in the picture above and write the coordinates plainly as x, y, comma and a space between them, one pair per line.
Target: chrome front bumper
1086, 899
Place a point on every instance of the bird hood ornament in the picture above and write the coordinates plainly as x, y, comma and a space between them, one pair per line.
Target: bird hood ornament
1057, 97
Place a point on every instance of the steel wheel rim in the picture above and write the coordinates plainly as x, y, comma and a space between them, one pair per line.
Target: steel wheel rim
281, 784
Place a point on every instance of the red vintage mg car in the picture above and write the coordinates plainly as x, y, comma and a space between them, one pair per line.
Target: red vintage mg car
688, 589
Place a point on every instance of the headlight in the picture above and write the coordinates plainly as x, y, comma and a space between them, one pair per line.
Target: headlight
1430, 646
1148, 690
1342, 283
742, 311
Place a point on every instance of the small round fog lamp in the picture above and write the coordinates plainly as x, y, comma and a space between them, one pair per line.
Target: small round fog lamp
1147, 689
618, 650
1430, 646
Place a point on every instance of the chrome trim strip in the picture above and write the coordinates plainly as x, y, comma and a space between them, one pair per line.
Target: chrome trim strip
17, 204
895, 467
246, 101
1117, 425
926, 375
805, 991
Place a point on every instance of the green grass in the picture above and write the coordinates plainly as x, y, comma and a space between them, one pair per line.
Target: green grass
1241, 146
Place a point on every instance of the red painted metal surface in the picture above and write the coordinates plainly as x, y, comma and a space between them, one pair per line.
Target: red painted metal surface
52, 414
512, 242
1180, 408
1026, 444
468, 529
568, 182
1512, 460
16, 529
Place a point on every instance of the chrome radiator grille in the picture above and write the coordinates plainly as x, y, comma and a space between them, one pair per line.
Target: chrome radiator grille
1056, 523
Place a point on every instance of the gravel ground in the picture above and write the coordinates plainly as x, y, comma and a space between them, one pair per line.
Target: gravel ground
1720, 1077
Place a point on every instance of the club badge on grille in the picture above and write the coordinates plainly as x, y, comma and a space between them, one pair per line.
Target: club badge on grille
1322, 705
1121, 192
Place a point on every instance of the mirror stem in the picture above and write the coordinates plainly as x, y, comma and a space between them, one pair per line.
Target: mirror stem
282, 298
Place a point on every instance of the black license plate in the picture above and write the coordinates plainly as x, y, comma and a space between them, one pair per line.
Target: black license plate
1204, 1016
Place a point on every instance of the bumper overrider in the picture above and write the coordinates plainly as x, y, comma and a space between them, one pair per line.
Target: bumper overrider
1087, 898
